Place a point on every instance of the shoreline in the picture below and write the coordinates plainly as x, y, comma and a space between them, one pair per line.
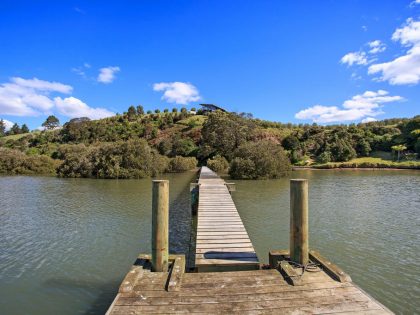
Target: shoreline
298, 168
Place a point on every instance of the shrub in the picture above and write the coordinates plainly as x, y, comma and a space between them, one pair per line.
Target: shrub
122, 159
181, 164
17, 162
218, 164
256, 160
324, 157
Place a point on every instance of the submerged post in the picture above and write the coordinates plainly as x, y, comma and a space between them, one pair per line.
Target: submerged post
160, 222
299, 251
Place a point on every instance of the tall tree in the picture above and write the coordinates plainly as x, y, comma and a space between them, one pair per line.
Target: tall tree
51, 122
398, 148
140, 110
2, 128
24, 128
131, 113
15, 130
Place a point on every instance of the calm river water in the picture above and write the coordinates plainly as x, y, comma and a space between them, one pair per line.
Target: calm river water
66, 244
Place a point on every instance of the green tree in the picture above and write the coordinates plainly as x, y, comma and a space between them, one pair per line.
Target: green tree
131, 113
15, 130
218, 164
2, 128
256, 160
174, 110
51, 122
398, 148
24, 128
140, 110
149, 112
157, 111
166, 110
183, 110
193, 109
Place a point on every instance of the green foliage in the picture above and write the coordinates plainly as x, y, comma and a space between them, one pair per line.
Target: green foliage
2, 128
256, 160
193, 109
157, 111
131, 113
181, 164
218, 164
24, 128
16, 162
174, 110
324, 157
51, 122
223, 133
15, 130
166, 110
122, 159
140, 110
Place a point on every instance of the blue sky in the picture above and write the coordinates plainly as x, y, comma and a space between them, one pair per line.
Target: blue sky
295, 61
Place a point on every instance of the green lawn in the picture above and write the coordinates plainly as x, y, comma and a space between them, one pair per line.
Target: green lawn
371, 162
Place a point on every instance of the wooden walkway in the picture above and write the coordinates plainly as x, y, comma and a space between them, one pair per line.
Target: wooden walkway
223, 244
222, 240
238, 292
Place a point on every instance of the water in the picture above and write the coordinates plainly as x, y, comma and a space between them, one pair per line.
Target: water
66, 244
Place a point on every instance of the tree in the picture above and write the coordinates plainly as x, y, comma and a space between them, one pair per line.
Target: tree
256, 160
15, 130
398, 148
140, 110
131, 113
166, 110
51, 122
149, 112
157, 111
193, 109
2, 128
174, 110
183, 110
24, 128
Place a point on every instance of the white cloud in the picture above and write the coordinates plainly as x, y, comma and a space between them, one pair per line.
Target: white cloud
73, 107
376, 46
107, 74
414, 3
369, 119
359, 106
29, 97
178, 92
404, 69
358, 58
7, 123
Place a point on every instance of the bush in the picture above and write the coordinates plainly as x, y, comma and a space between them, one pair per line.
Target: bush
218, 164
324, 157
17, 162
257, 160
181, 164
122, 159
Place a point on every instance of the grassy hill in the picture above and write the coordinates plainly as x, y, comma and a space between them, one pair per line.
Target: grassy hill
138, 145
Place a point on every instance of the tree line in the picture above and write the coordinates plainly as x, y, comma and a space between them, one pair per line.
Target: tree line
137, 144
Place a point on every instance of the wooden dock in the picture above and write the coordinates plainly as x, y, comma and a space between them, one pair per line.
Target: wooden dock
299, 282
222, 241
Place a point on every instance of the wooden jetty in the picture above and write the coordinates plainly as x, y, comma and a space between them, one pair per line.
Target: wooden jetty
222, 241
297, 282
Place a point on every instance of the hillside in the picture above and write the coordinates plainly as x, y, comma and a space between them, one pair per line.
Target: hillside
135, 145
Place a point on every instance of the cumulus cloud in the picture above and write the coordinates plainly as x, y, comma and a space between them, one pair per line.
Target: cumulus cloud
178, 92
406, 68
29, 97
359, 106
358, 58
107, 74
7, 123
73, 107
414, 3
368, 119
376, 46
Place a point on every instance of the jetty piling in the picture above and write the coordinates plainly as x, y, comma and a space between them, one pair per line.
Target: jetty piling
299, 242
229, 279
160, 223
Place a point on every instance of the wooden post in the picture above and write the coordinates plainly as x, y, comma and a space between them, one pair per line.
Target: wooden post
160, 223
299, 221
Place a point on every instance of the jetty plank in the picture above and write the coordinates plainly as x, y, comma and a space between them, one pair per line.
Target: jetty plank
218, 226
243, 292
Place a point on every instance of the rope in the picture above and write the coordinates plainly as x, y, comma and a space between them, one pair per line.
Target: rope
309, 267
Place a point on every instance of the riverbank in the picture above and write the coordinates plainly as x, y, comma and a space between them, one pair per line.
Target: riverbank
370, 163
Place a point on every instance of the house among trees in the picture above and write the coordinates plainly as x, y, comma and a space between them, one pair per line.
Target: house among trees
211, 108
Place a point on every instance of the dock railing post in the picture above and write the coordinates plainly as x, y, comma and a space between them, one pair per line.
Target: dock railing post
160, 223
299, 243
